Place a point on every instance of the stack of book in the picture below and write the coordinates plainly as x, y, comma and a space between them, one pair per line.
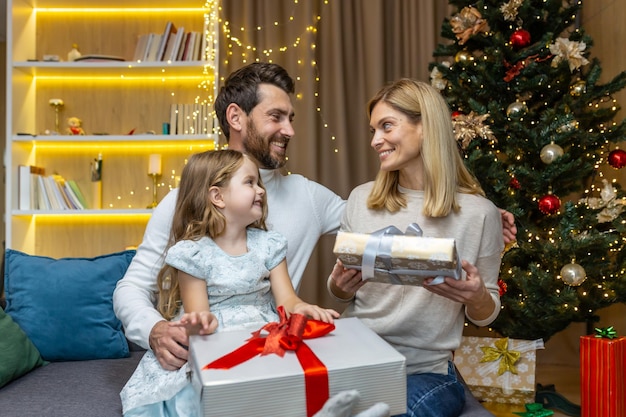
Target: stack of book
174, 44
191, 119
38, 191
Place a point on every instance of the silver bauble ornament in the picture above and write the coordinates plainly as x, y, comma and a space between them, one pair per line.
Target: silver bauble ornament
516, 109
573, 274
550, 153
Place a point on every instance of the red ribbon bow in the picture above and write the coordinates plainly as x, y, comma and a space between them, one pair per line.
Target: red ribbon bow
288, 334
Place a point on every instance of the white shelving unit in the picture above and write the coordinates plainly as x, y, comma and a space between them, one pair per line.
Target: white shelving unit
122, 104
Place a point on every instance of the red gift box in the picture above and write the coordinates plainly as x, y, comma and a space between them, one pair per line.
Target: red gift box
602, 376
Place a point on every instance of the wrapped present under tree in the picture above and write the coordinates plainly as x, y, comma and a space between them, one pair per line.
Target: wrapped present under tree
603, 374
499, 370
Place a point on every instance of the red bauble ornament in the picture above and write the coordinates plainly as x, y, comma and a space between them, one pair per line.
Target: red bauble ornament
514, 184
456, 113
520, 38
501, 287
617, 158
549, 204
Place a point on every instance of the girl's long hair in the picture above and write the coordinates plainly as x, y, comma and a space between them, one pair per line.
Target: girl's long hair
196, 217
445, 173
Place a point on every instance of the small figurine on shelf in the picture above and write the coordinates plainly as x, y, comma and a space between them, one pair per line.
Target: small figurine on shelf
74, 53
75, 126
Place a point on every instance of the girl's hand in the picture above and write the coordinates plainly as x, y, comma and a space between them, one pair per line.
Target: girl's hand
315, 312
201, 322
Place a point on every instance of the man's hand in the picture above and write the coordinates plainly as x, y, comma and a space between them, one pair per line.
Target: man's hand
509, 230
169, 344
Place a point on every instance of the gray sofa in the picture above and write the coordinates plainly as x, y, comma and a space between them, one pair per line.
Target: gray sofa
63, 309
67, 389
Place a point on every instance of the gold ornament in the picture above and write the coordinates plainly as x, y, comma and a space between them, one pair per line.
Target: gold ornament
463, 57
573, 274
516, 109
578, 88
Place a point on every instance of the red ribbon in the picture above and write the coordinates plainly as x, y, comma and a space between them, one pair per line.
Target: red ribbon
287, 334
515, 69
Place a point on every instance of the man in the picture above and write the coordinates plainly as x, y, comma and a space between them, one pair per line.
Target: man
255, 112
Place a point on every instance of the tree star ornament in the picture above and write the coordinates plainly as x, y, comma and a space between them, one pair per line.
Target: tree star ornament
509, 9
471, 126
565, 50
549, 204
573, 274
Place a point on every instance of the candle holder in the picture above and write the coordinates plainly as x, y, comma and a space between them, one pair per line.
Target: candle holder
57, 104
155, 176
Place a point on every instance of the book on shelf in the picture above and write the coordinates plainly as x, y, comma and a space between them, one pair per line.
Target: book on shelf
75, 191
196, 53
53, 194
189, 47
141, 46
154, 47
182, 47
26, 186
170, 30
190, 119
173, 45
38, 191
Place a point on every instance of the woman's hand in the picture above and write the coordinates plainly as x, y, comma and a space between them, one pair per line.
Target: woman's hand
343, 282
202, 323
470, 291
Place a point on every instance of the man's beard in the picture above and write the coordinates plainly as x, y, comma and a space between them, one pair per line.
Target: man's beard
258, 147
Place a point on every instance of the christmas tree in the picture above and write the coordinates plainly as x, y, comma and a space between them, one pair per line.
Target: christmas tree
538, 129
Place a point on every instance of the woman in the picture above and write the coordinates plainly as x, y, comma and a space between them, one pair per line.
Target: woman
423, 180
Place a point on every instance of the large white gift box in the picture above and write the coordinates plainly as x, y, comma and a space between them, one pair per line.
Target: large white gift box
355, 357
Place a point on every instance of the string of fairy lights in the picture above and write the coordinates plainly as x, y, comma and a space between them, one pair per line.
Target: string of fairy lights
233, 44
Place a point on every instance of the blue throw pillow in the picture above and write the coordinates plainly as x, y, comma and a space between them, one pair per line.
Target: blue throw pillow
65, 305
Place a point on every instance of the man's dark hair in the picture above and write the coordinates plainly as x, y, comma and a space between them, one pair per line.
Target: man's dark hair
241, 88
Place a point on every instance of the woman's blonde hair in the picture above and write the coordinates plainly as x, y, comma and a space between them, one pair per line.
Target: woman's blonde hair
445, 173
196, 217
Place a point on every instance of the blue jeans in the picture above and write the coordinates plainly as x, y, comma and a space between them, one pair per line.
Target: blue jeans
434, 395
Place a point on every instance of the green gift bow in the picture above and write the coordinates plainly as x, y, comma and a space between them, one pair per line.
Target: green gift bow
534, 410
507, 357
606, 332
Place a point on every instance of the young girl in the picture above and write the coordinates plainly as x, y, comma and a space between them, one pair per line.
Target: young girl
228, 270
